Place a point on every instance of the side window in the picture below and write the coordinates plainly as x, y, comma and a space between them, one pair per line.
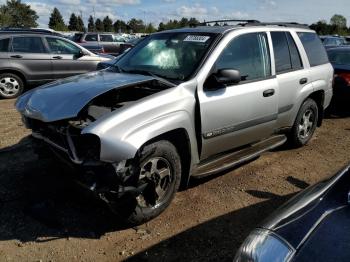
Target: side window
28, 45
294, 53
281, 51
59, 46
91, 38
106, 38
249, 54
4, 45
315, 51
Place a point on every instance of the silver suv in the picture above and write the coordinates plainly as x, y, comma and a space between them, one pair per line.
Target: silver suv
183, 103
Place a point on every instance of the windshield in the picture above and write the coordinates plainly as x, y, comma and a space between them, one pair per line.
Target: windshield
339, 57
168, 55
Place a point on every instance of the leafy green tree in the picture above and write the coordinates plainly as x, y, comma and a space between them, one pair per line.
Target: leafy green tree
17, 14
80, 24
91, 24
339, 21
73, 22
99, 25
107, 24
120, 26
150, 29
56, 21
136, 25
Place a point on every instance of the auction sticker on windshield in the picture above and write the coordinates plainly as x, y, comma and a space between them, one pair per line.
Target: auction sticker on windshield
197, 38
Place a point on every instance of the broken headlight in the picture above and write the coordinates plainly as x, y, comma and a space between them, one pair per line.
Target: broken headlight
264, 246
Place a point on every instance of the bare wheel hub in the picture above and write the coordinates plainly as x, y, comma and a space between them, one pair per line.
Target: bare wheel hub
306, 124
156, 172
9, 86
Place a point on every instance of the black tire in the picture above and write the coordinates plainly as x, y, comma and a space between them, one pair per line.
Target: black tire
132, 212
303, 131
11, 85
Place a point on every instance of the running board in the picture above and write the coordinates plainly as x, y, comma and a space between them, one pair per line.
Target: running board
233, 159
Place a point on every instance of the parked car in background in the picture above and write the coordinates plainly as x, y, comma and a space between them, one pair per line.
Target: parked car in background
183, 103
33, 59
110, 43
312, 226
19, 30
333, 41
340, 59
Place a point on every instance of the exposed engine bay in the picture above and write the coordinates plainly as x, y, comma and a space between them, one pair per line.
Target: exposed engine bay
114, 100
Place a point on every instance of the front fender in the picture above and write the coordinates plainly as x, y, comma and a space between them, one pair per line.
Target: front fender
116, 147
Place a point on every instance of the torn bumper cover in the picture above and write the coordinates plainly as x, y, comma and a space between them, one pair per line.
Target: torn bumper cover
109, 181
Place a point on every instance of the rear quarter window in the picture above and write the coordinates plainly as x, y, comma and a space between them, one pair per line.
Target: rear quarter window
4, 45
314, 48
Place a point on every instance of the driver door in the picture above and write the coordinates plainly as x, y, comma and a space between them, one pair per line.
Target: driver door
239, 114
66, 60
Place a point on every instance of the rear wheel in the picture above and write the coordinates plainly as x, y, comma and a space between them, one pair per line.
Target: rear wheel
159, 168
305, 124
11, 85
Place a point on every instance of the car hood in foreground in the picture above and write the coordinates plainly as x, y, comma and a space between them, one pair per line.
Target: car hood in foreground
65, 98
297, 219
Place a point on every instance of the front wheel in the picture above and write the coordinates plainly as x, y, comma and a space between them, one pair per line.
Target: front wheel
159, 168
305, 124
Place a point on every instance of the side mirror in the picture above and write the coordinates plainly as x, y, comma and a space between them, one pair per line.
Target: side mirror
81, 53
228, 76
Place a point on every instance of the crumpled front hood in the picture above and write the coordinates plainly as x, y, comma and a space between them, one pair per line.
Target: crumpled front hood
65, 98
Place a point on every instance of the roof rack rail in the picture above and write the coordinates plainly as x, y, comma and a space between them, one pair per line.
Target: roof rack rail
282, 24
241, 21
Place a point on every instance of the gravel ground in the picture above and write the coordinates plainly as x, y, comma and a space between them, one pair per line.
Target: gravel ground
44, 217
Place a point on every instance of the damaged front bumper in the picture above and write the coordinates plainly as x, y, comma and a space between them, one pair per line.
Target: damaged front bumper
108, 181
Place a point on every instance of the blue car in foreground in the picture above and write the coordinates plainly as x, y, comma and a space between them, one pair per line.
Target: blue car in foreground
312, 226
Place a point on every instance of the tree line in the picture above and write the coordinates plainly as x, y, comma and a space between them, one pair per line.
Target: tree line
14, 13
107, 25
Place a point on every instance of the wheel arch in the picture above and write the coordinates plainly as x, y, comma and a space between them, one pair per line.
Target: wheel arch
181, 140
15, 72
318, 97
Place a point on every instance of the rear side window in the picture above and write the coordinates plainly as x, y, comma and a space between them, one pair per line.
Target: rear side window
287, 56
28, 45
315, 51
4, 45
106, 38
91, 38
249, 54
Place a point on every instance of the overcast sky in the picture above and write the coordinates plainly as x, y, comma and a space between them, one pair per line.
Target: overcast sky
155, 11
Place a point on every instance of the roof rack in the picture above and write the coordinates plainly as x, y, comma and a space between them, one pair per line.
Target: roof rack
26, 30
282, 24
243, 22
225, 21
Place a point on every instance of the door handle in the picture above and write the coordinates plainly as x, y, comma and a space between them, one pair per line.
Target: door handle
57, 57
16, 56
303, 81
269, 92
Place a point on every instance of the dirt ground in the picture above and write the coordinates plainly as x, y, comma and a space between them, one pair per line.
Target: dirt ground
44, 217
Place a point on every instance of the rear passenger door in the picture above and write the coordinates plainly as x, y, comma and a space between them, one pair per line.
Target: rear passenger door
109, 46
290, 74
66, 58
29, 55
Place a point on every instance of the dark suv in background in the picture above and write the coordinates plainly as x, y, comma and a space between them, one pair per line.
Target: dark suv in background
32, 59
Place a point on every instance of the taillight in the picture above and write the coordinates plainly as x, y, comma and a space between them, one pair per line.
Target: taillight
344, 76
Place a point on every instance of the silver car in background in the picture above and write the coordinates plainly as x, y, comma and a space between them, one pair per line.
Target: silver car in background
186, 102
